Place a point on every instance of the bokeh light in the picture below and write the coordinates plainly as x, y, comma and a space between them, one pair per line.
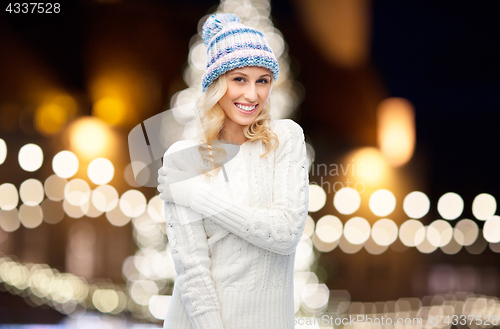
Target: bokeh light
141, 291
158, 306
100, 171
112, 110
31, 192
30, 216
156, 209
372, 247
329, 228
356, 230
412, 233
53, 211
382, 202
105, 300
73, 211
54, 187
105, 197
479, 245
426, 247
347, 200
465, 232
491, 229
452, 248
439, 233
396, 130
484, 206
323, 246
9, 220
30, 157
348, 247
65, 164
117, 217
89, 207
89, 136
450, 205
416, 204
3, 151
50, 118
9, 198
132, 203
77, 192
317, 197
384, 232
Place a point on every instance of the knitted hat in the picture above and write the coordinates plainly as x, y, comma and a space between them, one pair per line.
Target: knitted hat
231, 44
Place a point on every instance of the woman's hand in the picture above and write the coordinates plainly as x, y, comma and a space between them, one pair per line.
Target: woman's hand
179, 186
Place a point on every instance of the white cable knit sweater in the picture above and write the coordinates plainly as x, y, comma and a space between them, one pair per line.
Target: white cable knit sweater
235, 265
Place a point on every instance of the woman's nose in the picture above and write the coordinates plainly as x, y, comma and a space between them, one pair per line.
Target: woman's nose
251, 94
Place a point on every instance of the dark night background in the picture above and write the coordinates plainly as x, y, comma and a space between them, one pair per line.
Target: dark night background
443, 56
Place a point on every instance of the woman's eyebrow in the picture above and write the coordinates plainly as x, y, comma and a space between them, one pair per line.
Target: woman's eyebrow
241, 73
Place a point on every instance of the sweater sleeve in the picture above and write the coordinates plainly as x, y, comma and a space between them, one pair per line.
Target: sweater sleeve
189, 248
279, 228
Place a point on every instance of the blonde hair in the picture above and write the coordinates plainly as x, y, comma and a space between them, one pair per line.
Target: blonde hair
212, 118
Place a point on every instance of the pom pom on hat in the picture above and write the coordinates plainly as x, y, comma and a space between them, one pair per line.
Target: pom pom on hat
214, 25
231, 44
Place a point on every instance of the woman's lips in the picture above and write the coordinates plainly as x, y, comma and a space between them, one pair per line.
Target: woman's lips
246, 112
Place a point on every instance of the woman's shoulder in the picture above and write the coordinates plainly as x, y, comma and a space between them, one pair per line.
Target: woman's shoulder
286, 127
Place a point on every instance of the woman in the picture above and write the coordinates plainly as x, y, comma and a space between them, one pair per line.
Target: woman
233, 243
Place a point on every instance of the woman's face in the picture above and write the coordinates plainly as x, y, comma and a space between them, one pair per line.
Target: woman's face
248, 90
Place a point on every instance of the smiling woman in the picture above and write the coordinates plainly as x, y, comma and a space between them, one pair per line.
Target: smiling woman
233, 241
248, 90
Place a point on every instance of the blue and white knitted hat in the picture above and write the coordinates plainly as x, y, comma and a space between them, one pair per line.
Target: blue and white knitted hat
231, 44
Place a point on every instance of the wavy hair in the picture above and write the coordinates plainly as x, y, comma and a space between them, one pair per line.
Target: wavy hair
212, 118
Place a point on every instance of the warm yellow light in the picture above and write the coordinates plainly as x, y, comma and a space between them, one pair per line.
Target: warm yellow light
90, 137
365, 166
396, 130
111, 110
50, 118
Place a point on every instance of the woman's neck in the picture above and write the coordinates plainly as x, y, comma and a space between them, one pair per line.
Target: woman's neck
230, 134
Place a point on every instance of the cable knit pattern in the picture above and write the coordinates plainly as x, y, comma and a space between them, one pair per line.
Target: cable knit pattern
235, 267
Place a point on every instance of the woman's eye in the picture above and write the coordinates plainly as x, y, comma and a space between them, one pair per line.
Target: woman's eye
263, 81
238, 79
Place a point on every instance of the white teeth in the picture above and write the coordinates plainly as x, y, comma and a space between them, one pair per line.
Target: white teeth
246, 108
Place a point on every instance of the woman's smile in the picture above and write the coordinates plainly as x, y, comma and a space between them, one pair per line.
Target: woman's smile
245, 108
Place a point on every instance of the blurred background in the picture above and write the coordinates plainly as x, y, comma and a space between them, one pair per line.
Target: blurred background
398, 101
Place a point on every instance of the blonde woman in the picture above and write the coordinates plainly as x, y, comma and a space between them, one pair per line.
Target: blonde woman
233, 229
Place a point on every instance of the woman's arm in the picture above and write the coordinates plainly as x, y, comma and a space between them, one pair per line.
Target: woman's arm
280, 227
188, 244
